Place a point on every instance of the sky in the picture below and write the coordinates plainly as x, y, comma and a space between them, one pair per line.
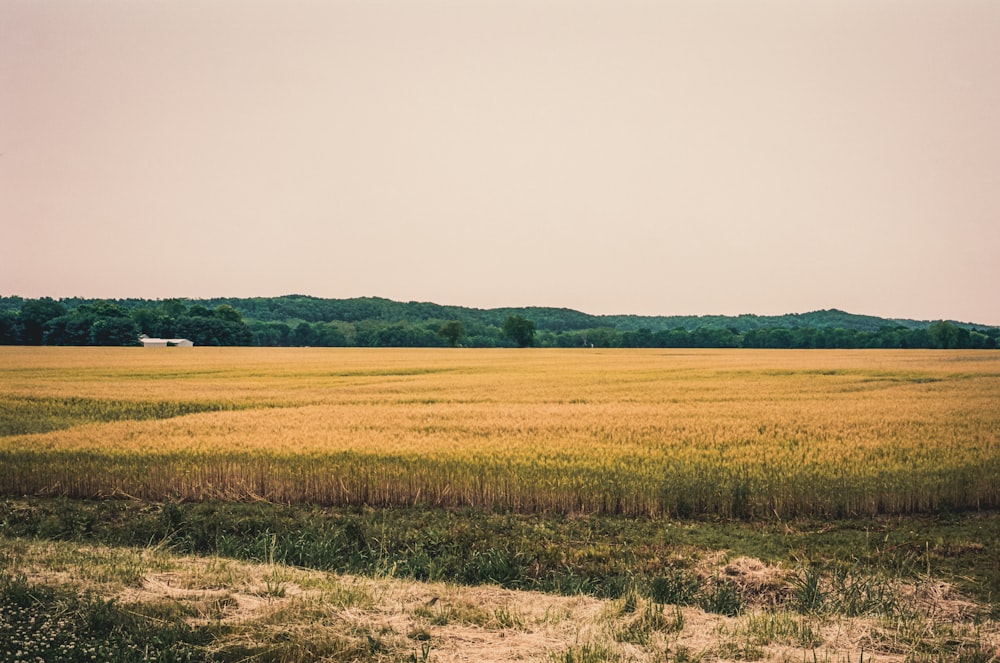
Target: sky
668, 157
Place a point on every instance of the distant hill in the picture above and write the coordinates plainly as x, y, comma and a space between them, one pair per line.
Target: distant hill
825, 319
304, 308
315, 309
300, 320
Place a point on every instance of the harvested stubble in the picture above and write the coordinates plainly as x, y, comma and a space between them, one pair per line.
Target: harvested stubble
733, 433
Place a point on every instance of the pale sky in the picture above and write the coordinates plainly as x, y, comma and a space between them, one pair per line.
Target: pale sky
670, 157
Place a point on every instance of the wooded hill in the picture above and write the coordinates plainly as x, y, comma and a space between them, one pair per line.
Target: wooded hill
375, 321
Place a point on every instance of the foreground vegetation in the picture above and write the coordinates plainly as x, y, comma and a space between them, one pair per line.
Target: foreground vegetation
602, 556
732, 434
114, 580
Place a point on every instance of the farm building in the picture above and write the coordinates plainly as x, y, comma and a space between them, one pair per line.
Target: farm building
148, 342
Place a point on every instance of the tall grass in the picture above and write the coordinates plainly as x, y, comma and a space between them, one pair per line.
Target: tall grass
737, 434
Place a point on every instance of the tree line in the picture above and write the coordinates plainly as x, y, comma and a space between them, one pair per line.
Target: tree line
48, 322
296, 321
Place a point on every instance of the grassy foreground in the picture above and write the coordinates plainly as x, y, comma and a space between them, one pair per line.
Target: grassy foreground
116, 580
602, 556
734, 434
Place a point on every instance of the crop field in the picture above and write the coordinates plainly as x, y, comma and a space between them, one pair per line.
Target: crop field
721, 433
295, 505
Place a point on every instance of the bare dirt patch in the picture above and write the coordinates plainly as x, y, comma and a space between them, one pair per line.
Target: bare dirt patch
393, 619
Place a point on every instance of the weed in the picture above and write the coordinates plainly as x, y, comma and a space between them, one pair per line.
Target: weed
678, 587
651, 619
855, 594
683, 654
576, 555
506, 617
722, 599
739, 651
809, 595
765, 628
273, 588
41, 623
586, 653
420, 634
425, 652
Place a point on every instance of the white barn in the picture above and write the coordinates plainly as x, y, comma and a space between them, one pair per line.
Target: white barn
148, 342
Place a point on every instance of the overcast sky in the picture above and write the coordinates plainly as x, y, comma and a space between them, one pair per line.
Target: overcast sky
612, 156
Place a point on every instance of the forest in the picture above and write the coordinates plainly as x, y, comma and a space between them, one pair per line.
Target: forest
298, 320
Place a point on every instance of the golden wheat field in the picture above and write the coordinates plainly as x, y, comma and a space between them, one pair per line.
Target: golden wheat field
732, 433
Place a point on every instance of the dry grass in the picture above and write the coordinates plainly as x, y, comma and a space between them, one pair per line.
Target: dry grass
734, 433
259, 606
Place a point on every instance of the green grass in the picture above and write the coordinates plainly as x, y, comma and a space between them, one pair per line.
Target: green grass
42, 624
779, 627
23, 415
602, 556
63, 592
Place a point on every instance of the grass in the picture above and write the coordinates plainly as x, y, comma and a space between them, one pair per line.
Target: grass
786, 628
46, 623
602, 556
63, 596
25, 415
732, 434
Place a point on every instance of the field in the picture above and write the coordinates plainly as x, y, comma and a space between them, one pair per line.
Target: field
566, 471
733, 434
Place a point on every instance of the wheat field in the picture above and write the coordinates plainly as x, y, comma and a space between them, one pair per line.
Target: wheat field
730, 433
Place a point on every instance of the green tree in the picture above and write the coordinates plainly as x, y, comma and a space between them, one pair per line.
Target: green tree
227, 313
10, 328
270, 334
641, 338
100, 323
601, 337
199, 311
174, 308
147, 320
978, 340
779, 337
329, 335
209, 330
452, 332
35, 314
948, 336
113, 330
519, 329
70, 329
303, 335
